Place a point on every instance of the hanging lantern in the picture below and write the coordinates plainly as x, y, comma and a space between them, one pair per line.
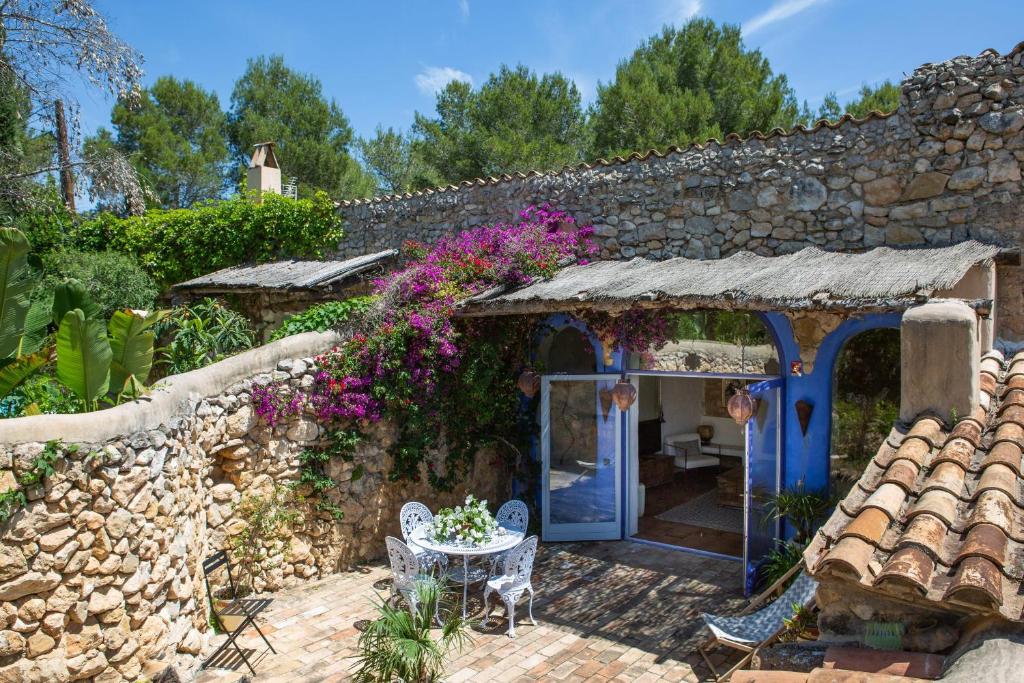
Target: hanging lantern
529, 383
624, 394
742, 406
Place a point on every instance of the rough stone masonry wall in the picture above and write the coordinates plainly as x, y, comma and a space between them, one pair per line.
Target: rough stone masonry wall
100, 574
945, 167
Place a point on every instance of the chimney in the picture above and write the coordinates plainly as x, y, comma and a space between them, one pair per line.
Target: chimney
940, 360
264, 174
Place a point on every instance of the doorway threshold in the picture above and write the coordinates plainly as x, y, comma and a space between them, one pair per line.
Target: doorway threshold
684, 549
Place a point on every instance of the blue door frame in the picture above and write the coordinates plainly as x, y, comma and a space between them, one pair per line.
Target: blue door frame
804, 455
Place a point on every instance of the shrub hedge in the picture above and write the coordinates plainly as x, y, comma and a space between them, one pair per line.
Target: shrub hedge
179, 244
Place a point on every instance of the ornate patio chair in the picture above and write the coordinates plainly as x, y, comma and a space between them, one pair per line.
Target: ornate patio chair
242, 611
513, 582
512, 515
405, 572
757, 626
413, 516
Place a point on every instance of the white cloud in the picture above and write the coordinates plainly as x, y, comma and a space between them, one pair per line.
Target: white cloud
432, 79
777, 12
678, 12
464, 8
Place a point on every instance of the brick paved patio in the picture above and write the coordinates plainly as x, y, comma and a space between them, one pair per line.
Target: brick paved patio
606, 612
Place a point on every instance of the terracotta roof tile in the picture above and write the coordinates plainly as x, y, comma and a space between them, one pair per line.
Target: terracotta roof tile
978, 582
909, 565
968, 429
850, 555
903, 473
936, 502
939, 514
988, 383
869, 525
888, 498
999, 478
929, 429
985, 540
914, 449
947, 476
959, 451
924, 530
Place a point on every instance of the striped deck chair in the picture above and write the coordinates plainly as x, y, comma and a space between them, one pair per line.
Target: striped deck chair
757, 626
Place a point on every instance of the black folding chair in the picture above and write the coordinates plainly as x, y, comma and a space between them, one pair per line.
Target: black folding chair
238, 607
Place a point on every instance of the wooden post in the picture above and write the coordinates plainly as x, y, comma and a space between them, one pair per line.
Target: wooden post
67, 180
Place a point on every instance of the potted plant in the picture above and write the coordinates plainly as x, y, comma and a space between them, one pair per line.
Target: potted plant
398, 645
468, 524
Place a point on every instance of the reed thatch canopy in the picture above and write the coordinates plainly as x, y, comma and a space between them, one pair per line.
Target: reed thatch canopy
286, 275
883, 278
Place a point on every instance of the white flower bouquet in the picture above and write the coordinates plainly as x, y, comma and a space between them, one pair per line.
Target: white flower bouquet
468, 524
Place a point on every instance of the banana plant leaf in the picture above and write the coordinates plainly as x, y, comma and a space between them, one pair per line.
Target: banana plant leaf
83, 357
15, 287
19, 369
131, 341
36, 322
69, 295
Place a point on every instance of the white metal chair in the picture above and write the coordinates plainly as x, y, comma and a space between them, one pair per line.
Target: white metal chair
513, 582
405, 572
413, 516
512, 515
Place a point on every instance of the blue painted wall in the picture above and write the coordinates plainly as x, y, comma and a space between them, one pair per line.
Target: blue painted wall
805, 461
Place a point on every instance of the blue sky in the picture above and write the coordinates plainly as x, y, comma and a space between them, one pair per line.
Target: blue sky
382, 60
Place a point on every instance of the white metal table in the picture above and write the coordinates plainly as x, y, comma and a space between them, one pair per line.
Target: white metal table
502, 540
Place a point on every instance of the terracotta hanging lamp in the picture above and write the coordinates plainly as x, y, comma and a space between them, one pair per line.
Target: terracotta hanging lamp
624, 394
742, 406
529, 383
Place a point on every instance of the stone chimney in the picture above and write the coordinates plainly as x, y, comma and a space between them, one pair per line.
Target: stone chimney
940, 358
264, 174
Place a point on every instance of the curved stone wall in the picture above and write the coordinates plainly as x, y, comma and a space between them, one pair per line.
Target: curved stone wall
101, 572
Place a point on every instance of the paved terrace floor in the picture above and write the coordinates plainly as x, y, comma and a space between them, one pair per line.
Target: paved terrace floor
615, 611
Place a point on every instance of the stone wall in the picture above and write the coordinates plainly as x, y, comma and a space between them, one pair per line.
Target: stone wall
100, 574
945, 167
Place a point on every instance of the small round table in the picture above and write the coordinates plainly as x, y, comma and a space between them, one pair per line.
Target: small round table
504, 539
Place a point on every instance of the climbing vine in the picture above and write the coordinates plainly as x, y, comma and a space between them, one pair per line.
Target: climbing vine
447, 382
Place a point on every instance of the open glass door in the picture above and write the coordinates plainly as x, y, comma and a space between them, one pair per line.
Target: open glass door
761, 464
581, 455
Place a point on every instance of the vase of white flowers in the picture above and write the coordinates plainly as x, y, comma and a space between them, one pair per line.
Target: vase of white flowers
468, 524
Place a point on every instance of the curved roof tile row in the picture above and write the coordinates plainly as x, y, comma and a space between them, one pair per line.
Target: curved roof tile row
731, 138
939, 513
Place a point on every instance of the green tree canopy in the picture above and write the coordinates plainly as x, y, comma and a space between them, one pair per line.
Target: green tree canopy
272, 102
390, 158
175, 139
516, 121
884, 98
688, 85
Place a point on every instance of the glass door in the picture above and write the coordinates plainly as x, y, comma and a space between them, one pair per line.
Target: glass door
761, 464
581, 456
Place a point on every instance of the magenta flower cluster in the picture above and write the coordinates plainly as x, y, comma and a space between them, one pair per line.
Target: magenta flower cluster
409, 343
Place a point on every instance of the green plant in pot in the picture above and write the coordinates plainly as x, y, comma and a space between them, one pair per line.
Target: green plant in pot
805, 511
399, 645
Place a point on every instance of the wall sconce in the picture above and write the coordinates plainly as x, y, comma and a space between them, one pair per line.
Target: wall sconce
529, 383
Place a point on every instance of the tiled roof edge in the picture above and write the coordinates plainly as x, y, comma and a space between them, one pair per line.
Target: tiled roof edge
731, 138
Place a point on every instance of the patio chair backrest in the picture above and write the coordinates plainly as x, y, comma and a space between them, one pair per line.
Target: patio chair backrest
404, 565
519, 562
413, 516
213, 563
800, 592
514, 515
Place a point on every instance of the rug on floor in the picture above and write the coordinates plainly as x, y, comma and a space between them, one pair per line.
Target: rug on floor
705, 511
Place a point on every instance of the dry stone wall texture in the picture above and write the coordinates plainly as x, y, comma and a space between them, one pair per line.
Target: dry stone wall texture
945, 167
101, 573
